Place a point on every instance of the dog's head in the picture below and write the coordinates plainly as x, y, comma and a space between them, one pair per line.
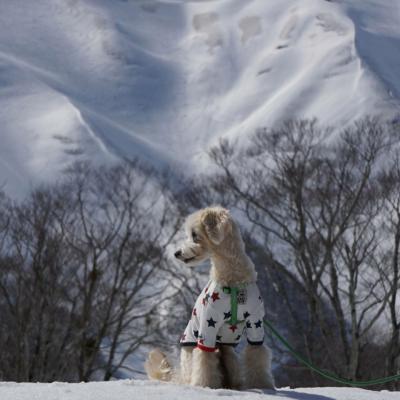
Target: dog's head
206, 230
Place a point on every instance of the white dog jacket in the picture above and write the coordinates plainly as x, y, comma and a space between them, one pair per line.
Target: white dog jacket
210, 323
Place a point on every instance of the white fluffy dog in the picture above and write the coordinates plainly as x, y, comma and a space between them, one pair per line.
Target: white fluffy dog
207, 355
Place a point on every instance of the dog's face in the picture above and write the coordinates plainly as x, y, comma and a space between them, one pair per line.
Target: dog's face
205, 230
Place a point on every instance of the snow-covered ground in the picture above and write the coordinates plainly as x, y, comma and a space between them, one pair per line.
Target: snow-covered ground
164, 79
145, 390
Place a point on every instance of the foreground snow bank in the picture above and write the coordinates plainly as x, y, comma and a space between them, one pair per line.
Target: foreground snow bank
146, 390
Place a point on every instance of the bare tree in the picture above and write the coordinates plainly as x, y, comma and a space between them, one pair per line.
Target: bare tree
121, 225
84, 275
390, 181
34, 277
317, 208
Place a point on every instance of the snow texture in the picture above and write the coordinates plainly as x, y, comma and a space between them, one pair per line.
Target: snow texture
100, 80
147, 390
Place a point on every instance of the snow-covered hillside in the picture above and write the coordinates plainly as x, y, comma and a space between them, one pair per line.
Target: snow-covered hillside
133, 390
164, 79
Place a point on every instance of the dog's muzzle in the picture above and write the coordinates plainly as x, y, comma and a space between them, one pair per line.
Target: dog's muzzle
181, 257
178, 254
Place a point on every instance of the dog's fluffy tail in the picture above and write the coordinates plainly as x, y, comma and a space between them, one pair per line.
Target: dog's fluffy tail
157, 366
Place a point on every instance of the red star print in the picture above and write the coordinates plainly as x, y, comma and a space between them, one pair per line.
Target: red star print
206, 290
204, 301
215, 296
183, 337
201, 341
194, 312
233, 328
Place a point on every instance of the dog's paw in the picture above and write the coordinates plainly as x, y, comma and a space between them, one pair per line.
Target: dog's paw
157, 366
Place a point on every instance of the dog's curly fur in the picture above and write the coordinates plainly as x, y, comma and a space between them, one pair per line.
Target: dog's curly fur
213, 234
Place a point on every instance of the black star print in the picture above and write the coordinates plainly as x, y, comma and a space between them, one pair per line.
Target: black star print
237, 337
246, 315
259, 298
258, 323
196, 334
248, 324
211, 322
227, 315
219, 338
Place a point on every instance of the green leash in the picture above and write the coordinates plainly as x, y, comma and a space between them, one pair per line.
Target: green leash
325, 374
233, 291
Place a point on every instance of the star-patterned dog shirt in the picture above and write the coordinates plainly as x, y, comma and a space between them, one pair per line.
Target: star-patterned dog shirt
210, 323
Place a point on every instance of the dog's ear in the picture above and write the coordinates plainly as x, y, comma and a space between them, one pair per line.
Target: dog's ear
216, 221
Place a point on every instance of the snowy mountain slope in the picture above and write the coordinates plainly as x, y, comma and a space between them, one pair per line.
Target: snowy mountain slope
164, 79
131, 390
377, 35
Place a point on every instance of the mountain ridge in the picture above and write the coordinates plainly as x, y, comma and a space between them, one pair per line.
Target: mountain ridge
165, 80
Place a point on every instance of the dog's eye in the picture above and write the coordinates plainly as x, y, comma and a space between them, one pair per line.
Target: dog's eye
195, 237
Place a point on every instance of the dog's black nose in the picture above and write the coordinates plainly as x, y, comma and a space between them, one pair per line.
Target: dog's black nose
178, 253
